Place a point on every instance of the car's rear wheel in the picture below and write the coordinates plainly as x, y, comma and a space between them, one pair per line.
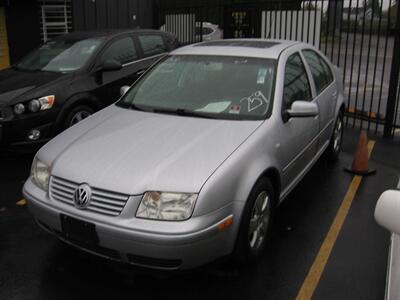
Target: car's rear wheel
256, 223
77, 114
335, 145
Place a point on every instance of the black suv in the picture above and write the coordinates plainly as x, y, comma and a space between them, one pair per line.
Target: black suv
69, 78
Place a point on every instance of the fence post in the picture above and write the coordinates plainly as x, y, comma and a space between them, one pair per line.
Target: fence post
394, 79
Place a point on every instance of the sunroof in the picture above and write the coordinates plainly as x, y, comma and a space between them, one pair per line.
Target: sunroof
250, 44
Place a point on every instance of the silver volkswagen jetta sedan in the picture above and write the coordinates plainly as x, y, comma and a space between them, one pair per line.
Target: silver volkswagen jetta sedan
190, 163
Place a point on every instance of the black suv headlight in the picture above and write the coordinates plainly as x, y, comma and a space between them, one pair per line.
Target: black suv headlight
35, 105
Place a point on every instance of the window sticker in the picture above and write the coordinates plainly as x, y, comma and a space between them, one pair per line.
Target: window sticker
216, 107
256, 101
262, 74
234, 109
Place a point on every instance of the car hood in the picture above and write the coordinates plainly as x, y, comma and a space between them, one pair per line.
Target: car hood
15, 83
132, 152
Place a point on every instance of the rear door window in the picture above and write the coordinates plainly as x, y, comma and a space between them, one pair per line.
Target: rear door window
320, 70
152, 44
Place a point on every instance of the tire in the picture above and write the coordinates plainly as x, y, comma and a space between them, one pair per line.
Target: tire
249, 245
335, 144
76, 115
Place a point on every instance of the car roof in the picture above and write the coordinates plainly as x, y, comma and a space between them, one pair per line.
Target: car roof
260, 48
107, 33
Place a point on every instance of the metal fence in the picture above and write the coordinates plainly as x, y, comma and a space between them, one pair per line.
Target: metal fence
361, 37
185, 23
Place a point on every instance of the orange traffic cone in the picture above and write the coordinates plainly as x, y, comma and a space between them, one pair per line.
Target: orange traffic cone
360, 161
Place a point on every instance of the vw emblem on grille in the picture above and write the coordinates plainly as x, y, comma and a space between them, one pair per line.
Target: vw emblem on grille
82, 196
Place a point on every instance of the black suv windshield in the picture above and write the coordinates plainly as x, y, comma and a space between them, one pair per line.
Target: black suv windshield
213, 86
60, 55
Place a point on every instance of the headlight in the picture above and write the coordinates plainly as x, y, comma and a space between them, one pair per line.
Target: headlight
19, 109
166, 206
34, 105
47, 102
40, 173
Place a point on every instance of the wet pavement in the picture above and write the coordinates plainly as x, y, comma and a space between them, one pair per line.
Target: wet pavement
35, 265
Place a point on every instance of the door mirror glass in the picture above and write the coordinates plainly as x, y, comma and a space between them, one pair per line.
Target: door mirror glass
123, 90
111, 65
302, 109
387, 211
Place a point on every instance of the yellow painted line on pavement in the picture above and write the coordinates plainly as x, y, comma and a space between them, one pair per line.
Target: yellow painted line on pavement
21, 202
314, 275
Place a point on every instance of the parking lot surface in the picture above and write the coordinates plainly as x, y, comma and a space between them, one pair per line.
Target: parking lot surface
35, 265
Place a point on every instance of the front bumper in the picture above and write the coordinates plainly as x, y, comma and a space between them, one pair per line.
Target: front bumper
198, 242
14, 131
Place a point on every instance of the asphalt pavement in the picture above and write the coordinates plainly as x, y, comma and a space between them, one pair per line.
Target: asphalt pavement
35, 265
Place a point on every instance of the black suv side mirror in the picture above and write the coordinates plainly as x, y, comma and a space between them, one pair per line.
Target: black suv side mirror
110, 65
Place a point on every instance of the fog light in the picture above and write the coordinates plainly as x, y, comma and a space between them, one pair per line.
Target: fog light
19, 108
34, 135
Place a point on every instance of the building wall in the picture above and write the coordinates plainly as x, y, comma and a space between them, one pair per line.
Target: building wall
100, 14
23, 27
4, 51
286, 4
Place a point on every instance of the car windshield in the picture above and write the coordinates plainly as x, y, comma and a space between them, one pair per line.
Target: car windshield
208, 86
60, 55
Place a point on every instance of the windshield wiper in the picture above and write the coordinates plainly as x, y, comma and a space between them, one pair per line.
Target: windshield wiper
184, 112
139, 108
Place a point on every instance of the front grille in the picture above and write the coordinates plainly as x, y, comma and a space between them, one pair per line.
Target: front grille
102, 202
154, 262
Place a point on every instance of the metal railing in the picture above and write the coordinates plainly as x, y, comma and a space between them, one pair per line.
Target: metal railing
55, 18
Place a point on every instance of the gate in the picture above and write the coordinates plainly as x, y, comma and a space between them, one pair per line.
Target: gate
185, 23
361, 37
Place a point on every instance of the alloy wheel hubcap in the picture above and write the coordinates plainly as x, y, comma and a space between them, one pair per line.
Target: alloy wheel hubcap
259, 220
338, 135
79, 116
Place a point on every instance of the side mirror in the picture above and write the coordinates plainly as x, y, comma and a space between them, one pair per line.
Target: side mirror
387, 211
123, 90
301, 109
110, 65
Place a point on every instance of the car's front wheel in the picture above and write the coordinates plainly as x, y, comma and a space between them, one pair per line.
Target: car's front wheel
256, 222
77, 114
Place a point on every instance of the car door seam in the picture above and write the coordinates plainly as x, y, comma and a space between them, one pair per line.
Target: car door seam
306, 148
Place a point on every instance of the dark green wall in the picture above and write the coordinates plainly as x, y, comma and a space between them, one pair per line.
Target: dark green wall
100, 14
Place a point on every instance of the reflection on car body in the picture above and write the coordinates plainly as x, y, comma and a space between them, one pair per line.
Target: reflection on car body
192, 161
